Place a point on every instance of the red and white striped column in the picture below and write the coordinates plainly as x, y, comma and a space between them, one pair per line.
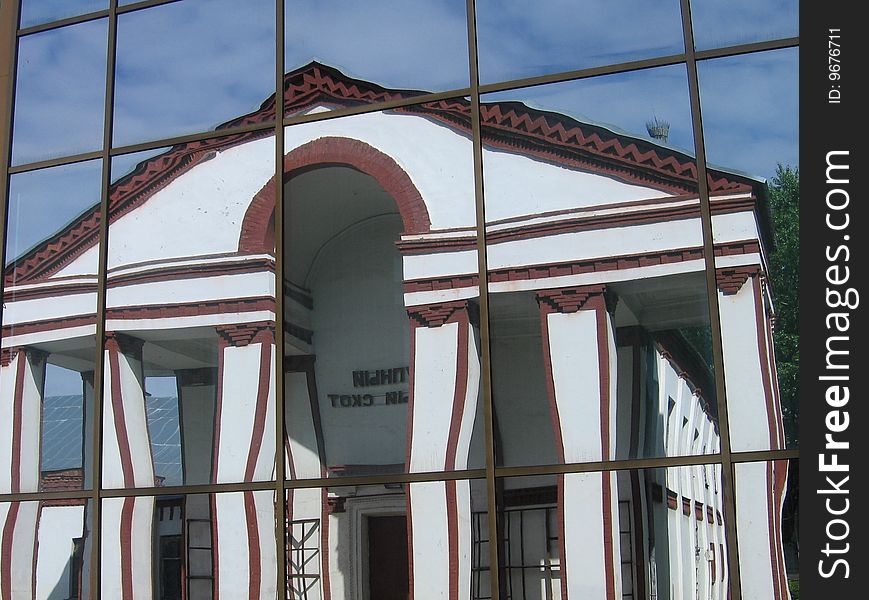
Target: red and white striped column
22, 381
126, 541
445, 378
244, 450
753, 404
580, 361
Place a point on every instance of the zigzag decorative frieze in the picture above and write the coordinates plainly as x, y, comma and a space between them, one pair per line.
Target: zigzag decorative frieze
512, 125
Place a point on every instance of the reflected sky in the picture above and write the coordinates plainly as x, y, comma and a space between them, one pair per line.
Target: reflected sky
417, 44
623, 102
36, 12
750, 107
44, 202
126, 163
60, 91
189, 66
718, 23
517, 39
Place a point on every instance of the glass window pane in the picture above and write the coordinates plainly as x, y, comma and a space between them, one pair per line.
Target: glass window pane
517, 40
190, 315
756, 231
718, 24
410, 540
195, 546
59, 93
659, 530
49, 322
381, 294
46, 548
189, 66
423, 46
36, 12
593, 233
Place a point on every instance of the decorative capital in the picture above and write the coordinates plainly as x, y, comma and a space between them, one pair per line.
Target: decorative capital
125, 344
435, 315
731, 279
570, 300
242, 334
7, 355
335, 504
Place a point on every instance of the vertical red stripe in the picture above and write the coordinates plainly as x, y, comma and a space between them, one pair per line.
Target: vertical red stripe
127, 547
770, 500
6, 549
218, 413
562, 542
261, 411
459, 394
253, 546
35, 559
603, 352
118, 415
452, 537
324, 545
760, 327
409, 510
410, 405
215, 555
780, 471
17, 422
545, 311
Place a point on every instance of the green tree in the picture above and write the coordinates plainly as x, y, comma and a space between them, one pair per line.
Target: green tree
784, 201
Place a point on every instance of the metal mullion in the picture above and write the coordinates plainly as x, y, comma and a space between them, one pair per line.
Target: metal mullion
609, 465
482, 265
738, 49
562, 76
8, 58
206, 488
38, 496
376, 107
190, 137
764, 456
56, 162
91, 16
727, 485
74, 20
295, 484
280, 408
144, 4
99, 365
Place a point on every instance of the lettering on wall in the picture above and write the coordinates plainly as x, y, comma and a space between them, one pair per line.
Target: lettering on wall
376, 379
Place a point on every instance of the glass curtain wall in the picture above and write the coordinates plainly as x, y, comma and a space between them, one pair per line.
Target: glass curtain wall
464, 299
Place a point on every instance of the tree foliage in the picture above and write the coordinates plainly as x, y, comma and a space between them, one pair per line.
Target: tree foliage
784, 198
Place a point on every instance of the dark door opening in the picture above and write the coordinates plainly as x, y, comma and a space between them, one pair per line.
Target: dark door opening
387, 558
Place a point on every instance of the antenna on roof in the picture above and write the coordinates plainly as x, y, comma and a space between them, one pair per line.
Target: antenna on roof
658, 130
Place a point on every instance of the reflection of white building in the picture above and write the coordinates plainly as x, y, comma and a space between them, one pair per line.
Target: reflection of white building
595, 264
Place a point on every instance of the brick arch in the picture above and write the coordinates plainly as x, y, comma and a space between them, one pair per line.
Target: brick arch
258, 227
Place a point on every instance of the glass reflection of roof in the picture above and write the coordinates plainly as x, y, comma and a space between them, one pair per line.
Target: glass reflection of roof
62, 433
165, 431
